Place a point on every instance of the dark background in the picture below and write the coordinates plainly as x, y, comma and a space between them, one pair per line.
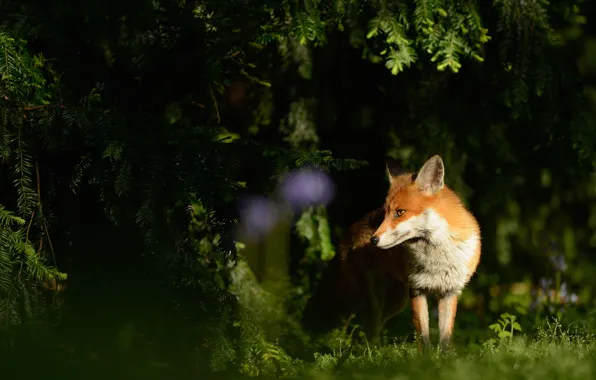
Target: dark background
123, 122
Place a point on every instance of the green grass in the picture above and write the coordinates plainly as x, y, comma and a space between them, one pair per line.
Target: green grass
568, 358
553, 353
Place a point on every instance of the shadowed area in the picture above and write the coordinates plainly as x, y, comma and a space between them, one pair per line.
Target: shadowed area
190, 188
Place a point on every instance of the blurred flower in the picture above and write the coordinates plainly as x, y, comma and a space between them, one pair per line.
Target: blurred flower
307, 187
573, 298
554, 247
559, 263
563, 291
537, 298
258, 215
545, 283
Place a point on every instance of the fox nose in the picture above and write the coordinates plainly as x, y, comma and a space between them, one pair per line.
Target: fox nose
374, 240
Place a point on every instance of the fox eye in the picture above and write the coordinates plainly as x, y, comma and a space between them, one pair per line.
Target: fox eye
399, 212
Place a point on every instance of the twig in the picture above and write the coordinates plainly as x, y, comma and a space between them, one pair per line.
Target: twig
347, 324
38, 184
29, 225
45, 225
50, 242
33, 108
214, 103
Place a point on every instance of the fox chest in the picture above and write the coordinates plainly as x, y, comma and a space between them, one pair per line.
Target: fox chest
439, 268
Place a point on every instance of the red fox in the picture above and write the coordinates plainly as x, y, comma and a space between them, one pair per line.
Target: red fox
424, 242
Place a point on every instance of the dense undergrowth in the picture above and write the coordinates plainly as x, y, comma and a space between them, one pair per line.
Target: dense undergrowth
130, 130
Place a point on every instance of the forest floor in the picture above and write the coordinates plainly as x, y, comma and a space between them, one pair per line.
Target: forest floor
553, 353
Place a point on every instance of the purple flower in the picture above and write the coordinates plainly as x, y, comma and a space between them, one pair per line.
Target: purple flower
559, 263
258, 215
563, 291
537, 299
545, 283
307, 187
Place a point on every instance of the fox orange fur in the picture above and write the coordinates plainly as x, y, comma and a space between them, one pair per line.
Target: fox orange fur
424, 242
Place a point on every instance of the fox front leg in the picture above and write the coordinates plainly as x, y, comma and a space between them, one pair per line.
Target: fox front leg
447, 311
419, 306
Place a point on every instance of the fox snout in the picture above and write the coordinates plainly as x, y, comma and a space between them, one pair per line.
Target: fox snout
374, 240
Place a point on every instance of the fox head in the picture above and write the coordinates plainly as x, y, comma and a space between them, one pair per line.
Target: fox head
411, 204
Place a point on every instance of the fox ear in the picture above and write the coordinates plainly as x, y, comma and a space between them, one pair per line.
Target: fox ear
393, 168
430, 178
